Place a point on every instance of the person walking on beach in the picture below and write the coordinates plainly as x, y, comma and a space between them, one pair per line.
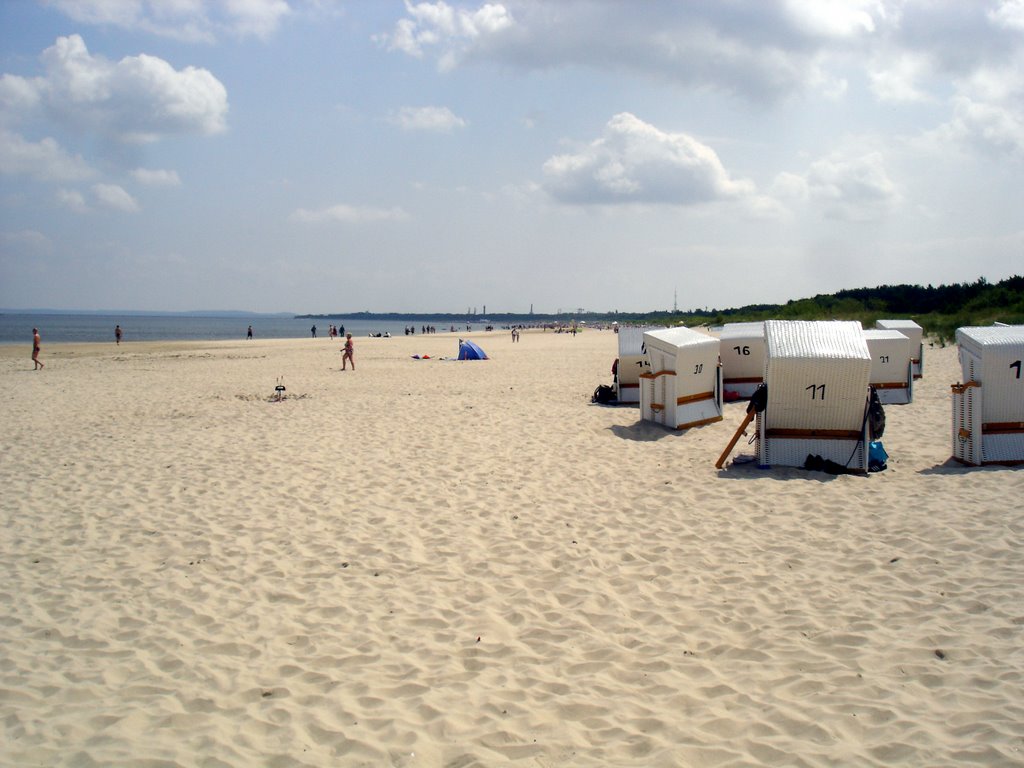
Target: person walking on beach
313, 331
346, 353
117, 334
35, 349
249, 334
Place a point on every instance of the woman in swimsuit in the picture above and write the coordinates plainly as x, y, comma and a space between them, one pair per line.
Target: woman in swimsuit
346, 353
35, 349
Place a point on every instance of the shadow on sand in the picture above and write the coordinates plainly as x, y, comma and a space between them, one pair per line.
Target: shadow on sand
953, 467
746, 468
644, 431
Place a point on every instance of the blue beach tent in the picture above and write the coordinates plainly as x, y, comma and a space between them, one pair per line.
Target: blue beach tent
470, 351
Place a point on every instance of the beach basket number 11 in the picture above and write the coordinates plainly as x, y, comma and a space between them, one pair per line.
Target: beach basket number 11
814, 389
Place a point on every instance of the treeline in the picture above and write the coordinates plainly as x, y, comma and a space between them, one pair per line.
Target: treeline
940, 310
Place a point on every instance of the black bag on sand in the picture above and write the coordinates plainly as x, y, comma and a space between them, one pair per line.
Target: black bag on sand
818, 463
876, 416
603, 394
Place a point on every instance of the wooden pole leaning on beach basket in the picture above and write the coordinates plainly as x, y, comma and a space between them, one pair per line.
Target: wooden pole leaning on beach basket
735, 438
757, 403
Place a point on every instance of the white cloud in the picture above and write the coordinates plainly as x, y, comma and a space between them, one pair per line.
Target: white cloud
185, 20
73, 199
988, 110
349, 214
1009, 14
790, 186
28, 238
18, 96
259, 18
834, 18
763, 50
438, 119
431, 24
156, 178
44, 160
114, 197
139, 98
993, 126
900, 79
852, 188
635, 162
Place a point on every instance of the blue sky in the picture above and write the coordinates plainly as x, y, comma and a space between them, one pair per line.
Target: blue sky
319, 156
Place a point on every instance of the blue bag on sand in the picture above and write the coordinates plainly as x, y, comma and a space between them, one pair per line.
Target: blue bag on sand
876, 456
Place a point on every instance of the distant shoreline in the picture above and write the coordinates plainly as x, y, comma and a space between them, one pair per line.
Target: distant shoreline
226, 313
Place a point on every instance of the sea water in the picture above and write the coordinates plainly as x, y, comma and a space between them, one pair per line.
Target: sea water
16, 328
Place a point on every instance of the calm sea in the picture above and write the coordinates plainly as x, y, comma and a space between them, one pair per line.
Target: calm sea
16, 328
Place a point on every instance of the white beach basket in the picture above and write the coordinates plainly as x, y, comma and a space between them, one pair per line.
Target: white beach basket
682, 387
817, 375
742, 359
915, 333
988, 407
892, 370
632, 362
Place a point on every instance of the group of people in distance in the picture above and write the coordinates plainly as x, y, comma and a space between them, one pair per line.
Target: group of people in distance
347, 352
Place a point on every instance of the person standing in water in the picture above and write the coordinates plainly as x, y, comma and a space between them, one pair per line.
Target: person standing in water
347, 353
35, 349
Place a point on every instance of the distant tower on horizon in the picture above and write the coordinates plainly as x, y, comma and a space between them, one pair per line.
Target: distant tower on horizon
531, 307
675, 301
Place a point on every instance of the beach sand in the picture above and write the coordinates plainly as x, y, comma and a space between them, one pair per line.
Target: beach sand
432, 563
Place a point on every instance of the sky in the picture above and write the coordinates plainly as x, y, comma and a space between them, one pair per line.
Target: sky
367, 155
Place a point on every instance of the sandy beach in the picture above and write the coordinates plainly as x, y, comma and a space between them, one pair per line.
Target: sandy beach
439, 563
